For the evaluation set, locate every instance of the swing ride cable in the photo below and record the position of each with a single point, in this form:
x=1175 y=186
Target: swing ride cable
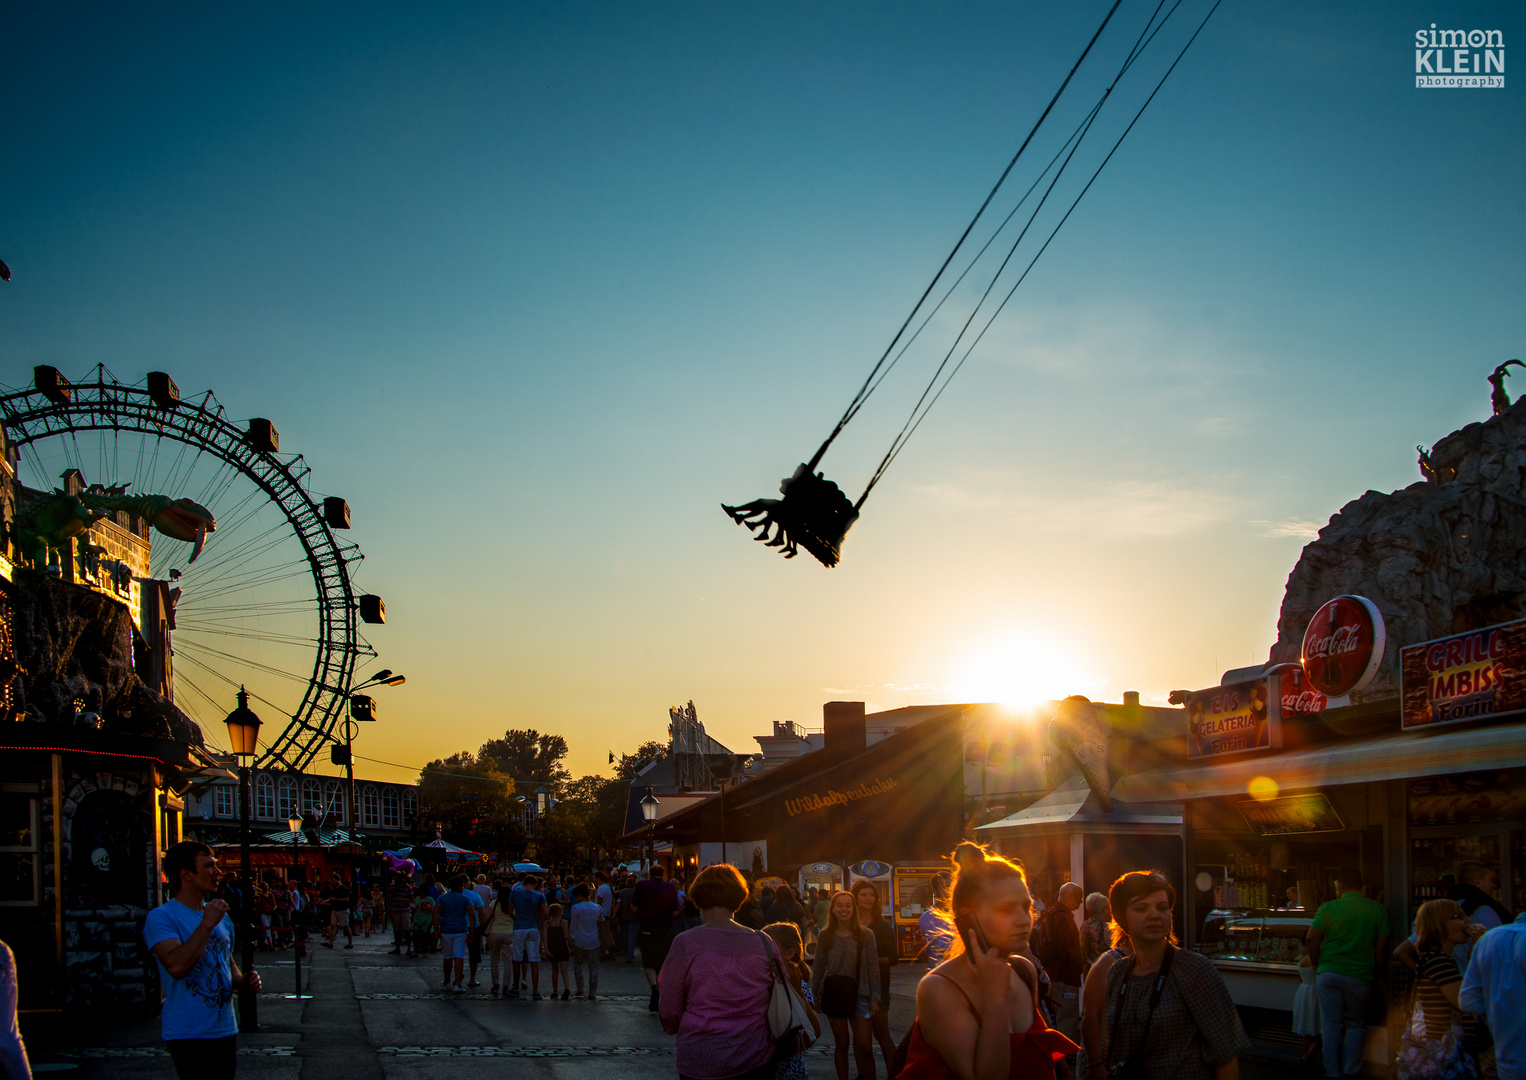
x=907 y=434
x=1080 y=128
x=865 y=390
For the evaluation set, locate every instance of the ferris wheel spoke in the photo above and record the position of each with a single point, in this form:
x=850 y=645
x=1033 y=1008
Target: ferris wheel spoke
x=258 y=579
x=274 y=637
x=253 y=665
x=223 y=678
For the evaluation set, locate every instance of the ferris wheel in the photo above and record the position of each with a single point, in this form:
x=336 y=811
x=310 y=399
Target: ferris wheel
x=269 y=601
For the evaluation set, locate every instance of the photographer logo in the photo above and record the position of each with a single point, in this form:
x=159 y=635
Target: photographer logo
x=1459 y=59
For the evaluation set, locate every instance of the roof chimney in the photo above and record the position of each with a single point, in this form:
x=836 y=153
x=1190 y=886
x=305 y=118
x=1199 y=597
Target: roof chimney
x=843 y=730
x=1131 y=699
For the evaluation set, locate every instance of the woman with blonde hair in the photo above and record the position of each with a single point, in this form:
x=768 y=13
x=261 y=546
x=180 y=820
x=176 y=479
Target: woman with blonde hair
x=977 y=1012
x=845 y=984
x=1434 y=1043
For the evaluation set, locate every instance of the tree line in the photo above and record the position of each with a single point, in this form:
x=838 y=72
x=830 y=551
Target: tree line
x=485 y=800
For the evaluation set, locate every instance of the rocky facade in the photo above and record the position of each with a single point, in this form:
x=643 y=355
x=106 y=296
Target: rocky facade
x=1444 y=555
x=75 y=644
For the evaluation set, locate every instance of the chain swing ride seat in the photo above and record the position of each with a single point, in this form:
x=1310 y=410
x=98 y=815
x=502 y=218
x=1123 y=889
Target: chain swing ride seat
x=813 y=512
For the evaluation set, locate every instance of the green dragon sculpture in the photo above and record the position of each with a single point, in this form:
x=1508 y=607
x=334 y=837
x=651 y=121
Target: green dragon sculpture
x=50 y=522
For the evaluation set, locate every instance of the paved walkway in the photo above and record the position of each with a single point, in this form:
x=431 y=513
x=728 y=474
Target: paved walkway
x=375 y=1016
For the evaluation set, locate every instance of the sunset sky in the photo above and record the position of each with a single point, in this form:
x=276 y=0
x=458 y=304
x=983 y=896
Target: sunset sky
x=538 y=287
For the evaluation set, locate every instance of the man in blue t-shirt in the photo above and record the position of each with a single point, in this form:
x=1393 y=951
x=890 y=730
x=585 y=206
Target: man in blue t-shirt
x=530 y=912
x=455 y=917
x=191 y=938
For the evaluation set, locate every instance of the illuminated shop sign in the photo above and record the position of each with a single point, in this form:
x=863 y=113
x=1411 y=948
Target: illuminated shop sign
x=1291 y=814
x=1343 y=646
x=1465 y=676
x=1234 y=718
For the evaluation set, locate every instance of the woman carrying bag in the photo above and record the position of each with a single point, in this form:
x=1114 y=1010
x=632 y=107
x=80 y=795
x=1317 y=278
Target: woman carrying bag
x=717 y=986
x=1434 y=1043
x=790 y=1064
x=845 y=984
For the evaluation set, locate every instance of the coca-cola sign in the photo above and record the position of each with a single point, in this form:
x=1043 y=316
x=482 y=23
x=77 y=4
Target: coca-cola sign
x=1298 y=695
x=1343 y=646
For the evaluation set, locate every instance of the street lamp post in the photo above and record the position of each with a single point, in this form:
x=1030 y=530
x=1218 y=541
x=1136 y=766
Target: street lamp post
x=294 y=823
x=243 y=740
x=362 y=707
x=649 y=812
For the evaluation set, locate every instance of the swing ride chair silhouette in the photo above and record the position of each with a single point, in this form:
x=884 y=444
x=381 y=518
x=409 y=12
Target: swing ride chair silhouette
x=814 y=514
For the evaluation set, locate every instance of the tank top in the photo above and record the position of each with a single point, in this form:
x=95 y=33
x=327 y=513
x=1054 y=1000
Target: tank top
x=1034 y=1052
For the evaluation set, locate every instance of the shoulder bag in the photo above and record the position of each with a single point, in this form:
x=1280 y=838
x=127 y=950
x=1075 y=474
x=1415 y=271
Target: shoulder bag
x=789 y=1017
x=839 y=993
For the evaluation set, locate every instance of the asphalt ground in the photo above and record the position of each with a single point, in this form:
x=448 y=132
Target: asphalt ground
x=373 y=1015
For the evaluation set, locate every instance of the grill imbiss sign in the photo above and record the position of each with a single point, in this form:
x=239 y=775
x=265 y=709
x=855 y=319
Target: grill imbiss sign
x=1465 y=676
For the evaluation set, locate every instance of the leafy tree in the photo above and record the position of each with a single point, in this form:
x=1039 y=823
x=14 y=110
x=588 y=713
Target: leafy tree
x=651 y=750
x=473 y=804
x=526 y=754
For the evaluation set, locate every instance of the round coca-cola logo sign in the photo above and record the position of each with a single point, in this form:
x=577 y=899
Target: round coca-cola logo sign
x=1343 y=646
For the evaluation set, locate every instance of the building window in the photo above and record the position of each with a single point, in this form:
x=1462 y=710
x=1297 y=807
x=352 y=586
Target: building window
x=389 y=808
x=369 y=809
x=312 y=797
x=265 y=797
x=18 y=849
x=286 y=797
x=333 y=801
x=225 y=800
x=410 y=808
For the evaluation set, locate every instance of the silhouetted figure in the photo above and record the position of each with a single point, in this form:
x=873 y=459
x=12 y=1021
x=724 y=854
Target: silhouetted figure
x=1498 y=396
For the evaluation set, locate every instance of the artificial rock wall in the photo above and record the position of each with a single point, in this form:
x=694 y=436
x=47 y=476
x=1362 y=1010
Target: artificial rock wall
x=1443 y=555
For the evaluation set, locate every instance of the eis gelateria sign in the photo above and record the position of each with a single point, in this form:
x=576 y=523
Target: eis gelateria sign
x=1465 y=676
x=808 y=804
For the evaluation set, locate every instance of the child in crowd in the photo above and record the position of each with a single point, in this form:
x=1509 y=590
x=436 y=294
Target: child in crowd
x=423 y=926
x=558 y=951
x=1306 y=1009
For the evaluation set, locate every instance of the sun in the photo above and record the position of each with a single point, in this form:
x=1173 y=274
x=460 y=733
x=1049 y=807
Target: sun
x=1020 y=671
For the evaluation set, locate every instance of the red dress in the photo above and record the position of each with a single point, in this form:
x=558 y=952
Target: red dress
x=1034 y=1052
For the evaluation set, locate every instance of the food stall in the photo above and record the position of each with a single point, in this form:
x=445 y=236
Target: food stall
x=914 y=890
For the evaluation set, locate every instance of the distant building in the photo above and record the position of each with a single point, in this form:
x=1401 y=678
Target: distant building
x=384 y=809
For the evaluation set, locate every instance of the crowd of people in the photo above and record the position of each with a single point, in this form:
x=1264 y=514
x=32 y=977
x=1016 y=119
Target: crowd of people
x=1088 y=986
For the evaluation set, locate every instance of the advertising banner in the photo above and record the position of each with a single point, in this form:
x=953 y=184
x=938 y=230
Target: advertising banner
x=1234 y=718
x=1465 y=676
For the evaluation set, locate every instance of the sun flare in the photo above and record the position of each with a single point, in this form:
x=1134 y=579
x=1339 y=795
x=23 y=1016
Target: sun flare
x=1020 y=672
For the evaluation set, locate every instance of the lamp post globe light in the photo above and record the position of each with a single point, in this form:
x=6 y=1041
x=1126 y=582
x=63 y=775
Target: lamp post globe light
x=243 y=740
x=294 y=823
x=649 y=804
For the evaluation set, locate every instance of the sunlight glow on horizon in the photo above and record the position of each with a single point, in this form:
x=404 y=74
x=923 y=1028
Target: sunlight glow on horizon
x=1021 y=672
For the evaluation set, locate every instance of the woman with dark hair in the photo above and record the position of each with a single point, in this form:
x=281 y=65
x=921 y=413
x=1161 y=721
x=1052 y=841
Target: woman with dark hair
x=977 y=1011
x=715 y=985
x=786 y=908
x=845 y=984
x=1158 y=1004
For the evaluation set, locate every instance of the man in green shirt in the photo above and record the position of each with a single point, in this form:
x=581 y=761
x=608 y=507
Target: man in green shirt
x=1347 y=943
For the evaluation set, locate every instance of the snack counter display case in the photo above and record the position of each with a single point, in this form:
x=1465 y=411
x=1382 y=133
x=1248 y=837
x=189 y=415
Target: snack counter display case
x=1255 y=936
